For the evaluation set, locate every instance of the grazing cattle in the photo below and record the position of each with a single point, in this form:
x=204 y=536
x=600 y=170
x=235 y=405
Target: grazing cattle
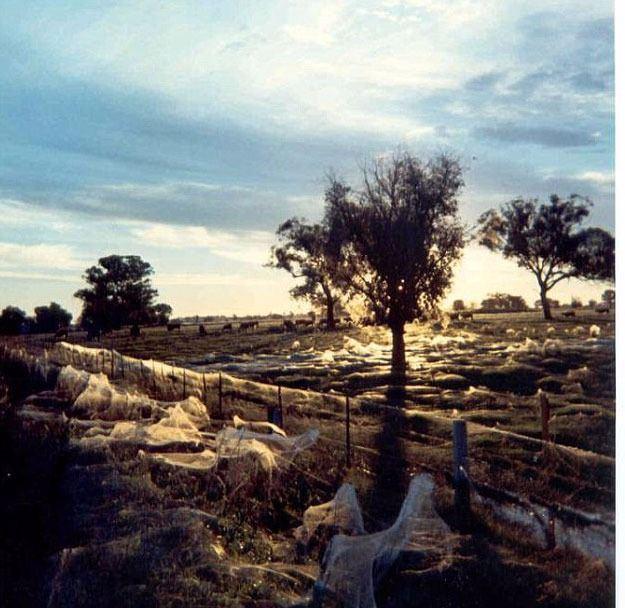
x=304 y=323
x=467 y=314
x=201 y=330
x=174 y=325
x=602 y=308
x=94 y=333
x=62 y=333
x=245 y=325
x=227 y=328
x=288 y=325
x=454 y=316
x=568 y=313
x=135 y=331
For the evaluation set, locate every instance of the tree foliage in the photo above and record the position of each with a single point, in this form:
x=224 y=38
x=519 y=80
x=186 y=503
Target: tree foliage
x=547 y=239
x=459 y=305
x=13 y=321
x=504 y=302
x=396 y=239
x=303 y=251
x=51 y=318
x=119 y=292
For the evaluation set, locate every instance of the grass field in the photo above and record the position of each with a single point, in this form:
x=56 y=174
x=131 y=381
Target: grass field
x=487 y=371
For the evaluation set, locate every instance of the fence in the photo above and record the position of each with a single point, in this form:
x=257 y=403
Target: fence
x=169 y=382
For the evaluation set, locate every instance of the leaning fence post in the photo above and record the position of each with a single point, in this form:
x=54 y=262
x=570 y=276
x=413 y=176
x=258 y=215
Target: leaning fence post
x=348 y=441
x=280 y=418
x=184 y=383
x=112 y=364
x=544 y=415
x=204 y=386
x=220 y=401
x=122 y=364
x=462 y=497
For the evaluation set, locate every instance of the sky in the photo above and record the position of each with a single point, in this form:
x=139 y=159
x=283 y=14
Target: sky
x=185 y=132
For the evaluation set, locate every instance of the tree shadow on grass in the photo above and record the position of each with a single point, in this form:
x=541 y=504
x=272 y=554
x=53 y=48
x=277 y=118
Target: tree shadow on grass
x=389 y=468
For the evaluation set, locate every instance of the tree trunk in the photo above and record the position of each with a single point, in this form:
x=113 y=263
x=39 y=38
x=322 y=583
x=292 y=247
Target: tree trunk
x=398 y=362
x=330 y=324
x=544 y=300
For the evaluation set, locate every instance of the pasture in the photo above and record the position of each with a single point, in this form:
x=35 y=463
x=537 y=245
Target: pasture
x=487 y=371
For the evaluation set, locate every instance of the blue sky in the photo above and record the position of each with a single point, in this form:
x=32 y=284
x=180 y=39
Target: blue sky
x=185 y=132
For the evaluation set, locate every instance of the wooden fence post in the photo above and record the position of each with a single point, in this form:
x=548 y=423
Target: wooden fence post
x=220 y=402
x=153 y=375
x=204 y=386
x=348 y=441
x=122 y=364
x=280 y=418
x=462 y=496
x=112 y=364
x=184 y=383
x=545 y=414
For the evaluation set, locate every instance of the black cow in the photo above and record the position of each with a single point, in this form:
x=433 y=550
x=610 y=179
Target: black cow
x=174 y=325
x=245 y=325
x=288 y=325
x=304 y=323
x=568 y=313
x=62 y=333
x=201 y=330
x=227 y=328
x=135 y=331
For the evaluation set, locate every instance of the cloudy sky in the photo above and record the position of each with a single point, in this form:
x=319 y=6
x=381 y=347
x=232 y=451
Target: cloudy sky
x=185 y=131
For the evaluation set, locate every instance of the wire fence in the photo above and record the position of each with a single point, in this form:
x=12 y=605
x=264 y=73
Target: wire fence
x=351 y=425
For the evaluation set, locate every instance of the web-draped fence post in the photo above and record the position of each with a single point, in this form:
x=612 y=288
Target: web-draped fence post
x=462 y=496
x=545 y=414
x=220 y=401
x=204 y=386
x=184 y=383
x=348 y=440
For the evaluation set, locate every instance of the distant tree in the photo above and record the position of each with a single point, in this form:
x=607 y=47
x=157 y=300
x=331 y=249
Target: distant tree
x=547 y=240
x=50 y=318
x=459 y=305
x=609 y=297
x=592 y=303
x=576 y=303
x=303 y=251
x=504 y=302
x=119 y=292
x=552 y=303
x=161 y=313
x=13 y=321
x=397 y=239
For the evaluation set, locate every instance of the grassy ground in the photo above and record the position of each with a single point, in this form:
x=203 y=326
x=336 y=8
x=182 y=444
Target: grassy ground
x=136 y=528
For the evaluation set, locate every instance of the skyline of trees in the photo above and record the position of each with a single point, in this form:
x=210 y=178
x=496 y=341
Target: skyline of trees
x=548 y=240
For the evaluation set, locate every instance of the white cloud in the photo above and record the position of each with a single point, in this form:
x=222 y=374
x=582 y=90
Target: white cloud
x=601 y=178
x=55 y=257
x=247 y=246
x=16 y=213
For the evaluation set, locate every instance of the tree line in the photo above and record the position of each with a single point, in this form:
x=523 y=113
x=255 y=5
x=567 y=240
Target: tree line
x=391 y=243
x=388 y=245
x=119 y=292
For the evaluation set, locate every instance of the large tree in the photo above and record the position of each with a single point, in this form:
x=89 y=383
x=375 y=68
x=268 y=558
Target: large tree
x=52 y=317
x=396 y=239
x=13 y=321
x=303 y=252
x=547 y=239
x=119 y=292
